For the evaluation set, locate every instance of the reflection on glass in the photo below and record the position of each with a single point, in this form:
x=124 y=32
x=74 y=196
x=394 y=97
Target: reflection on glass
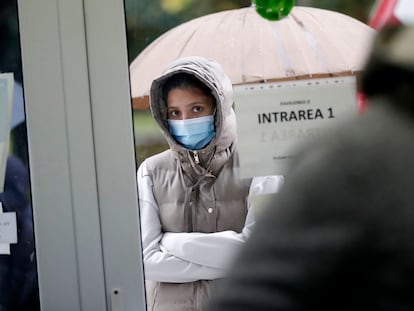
x=18 y=272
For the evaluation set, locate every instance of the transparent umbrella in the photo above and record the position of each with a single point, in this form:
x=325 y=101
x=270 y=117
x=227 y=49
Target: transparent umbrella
x=308 y=43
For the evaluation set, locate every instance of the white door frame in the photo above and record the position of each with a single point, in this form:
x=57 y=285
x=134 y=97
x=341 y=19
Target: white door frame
x=81 y=151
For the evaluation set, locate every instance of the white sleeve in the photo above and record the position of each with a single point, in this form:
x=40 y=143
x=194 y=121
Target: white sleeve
x=218 y=249
x=160 y=264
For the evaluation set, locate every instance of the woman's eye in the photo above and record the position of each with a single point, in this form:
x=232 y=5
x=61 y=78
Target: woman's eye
x=174 y=113
x=197 y=109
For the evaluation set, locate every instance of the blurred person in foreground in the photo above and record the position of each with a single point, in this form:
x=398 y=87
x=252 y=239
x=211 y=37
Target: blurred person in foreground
x=341 y=236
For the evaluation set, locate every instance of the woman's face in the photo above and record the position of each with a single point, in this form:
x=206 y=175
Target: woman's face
x=188 y=103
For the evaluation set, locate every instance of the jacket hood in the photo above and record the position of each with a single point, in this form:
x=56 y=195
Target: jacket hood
x=213 y=76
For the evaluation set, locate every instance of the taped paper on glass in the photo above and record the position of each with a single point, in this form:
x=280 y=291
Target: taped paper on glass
x=273 y=119
x=8 y=230
x=6 y=106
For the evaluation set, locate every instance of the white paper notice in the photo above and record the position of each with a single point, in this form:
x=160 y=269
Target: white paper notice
x=274 y=118
x=8 y=230
x=6 y=106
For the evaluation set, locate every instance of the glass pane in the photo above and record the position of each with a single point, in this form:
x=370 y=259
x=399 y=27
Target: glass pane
x=146 y=22
x=18 y=272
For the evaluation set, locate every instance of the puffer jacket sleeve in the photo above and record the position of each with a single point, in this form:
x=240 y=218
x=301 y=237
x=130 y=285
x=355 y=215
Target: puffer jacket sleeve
x=198 y=247
x=160 y=264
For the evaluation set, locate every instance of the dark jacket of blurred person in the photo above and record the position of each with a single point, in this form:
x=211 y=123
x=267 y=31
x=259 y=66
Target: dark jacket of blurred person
x=340 y=234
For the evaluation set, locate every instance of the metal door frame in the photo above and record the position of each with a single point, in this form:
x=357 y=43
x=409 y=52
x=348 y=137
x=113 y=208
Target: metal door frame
x=81 y=151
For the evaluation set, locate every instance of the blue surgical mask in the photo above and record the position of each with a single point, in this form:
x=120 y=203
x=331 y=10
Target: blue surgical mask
x=193 y=133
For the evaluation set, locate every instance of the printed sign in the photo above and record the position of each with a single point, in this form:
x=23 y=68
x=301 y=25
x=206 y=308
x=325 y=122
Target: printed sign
x=6 y=106
x=273 y=119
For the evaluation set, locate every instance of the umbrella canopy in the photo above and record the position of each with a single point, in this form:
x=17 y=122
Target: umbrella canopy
x=309 y=43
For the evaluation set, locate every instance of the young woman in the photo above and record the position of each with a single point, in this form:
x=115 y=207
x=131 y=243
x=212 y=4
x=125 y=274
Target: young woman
x=195 y=209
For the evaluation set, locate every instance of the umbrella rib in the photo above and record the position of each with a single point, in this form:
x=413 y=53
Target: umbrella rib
x=189 y=39
x=224 y=17
x=298 y=42
x=195 y=30
x=313 y=43
x=243 y=51
x=286 y=63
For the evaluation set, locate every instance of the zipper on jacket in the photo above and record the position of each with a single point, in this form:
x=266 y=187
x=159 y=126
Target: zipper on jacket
x=196 y=158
